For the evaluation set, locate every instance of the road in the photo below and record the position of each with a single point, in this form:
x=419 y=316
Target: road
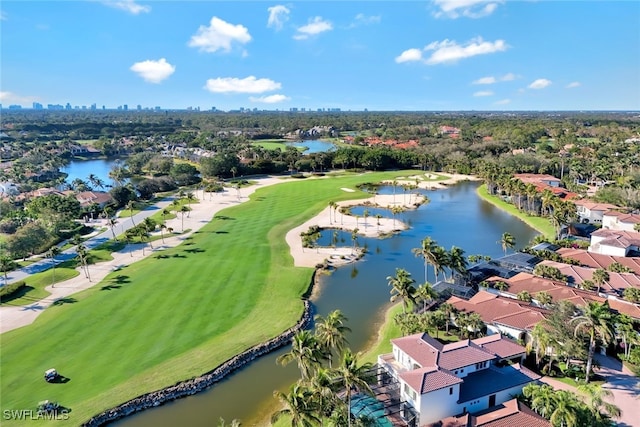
x=123 y=224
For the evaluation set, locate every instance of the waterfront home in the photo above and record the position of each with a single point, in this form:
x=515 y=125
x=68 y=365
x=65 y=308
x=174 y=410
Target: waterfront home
x=614 y=242
x=511 y=413
x=576 y=275
x=592 y=212
x=442 y=380
x=614 y=220
x=501 y=315
x=590 y=259
x=87 y=198
x=539 y=179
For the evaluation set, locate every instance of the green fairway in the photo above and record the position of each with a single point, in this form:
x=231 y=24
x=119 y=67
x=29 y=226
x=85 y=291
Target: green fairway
x=176 y=314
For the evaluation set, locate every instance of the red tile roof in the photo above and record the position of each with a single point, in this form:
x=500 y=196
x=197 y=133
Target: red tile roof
x=595 y=206
x=617 y=238
x=590 y=259
x=502 y=347
x=508 y=414
x=616 y=284
x=624 y=217
x=429 y=379
x=495 y=309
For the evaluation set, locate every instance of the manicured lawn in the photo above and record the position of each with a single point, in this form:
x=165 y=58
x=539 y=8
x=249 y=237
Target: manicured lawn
x=275 y=145
x=34 y=291
x=176 y=314
x=543 y=225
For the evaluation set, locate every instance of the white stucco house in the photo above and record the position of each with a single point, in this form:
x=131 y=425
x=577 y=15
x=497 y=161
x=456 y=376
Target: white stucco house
x=614 y=242
x=592 y=212
x=614 y=220
x=442 y=380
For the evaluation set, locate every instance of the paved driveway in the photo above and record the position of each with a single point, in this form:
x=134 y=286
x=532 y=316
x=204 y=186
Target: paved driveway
x=625 y=388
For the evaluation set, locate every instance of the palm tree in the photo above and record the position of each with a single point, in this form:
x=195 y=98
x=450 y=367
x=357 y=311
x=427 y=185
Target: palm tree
x=448 y=310
x=111 y=222
x=131 y=206
x=184 y=210
x=457 y=261
x=354 y=239
x=305 y=351
x=541 y=397
x=600 y=277
x=162 y=228
x=524 y=296
x=6 y=264
x=395 y=184
x=321 y=385
x=190 y=198
x=82 y=252
x=395 y=210
x=540 y=342
x=365 y=214
x=53 y=251
x=378 y=217
x=332 y=206
x=440 y=260
x=402 y=286
x=352 y=376
x=600 y=409
x=142 y=234
x=298 y=406
x=544 y=298
x=330 y=333
x=425 y=292
x=426 y=251
x=596 y=321
x=566 y=409
x=507 y=241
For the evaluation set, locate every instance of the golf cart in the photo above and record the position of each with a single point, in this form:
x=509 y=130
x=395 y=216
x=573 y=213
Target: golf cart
x=50 y=375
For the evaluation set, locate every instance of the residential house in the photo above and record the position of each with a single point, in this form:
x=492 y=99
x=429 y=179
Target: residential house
x=592 y=212
x=614 y=242
x=511 y=413
x=441 y=380
x=616 y=284
x=614 y=220
x=87 y=198
x=594 y=260
x=538 y=179
x=501 y=315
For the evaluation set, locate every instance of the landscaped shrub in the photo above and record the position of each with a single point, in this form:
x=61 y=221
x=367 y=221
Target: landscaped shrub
x=7 y=290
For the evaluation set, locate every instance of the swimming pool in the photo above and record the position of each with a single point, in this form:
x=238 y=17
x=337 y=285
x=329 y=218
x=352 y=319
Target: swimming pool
x=361 y=404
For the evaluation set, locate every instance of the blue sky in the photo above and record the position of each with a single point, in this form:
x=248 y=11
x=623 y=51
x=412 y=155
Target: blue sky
x=378 y=55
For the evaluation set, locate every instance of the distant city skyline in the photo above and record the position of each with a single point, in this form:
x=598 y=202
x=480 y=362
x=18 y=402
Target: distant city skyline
x=437 y=55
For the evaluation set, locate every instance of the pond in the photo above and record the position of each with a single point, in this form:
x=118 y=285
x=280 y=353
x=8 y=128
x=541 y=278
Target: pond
x=81 y=169
x=314 y=146
x=454 y=216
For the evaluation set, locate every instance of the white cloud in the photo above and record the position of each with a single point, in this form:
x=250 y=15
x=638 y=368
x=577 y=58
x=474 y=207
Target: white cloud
x=13 y=98
x=219 y=35
x=469 y=8
x=489 y=80
x=128 y=6
x=270 y=99
x=483 y=93
x=573 y=84
x=448 y=51
x=409 y=55
x=539 y=84
x=503 y=102
x=153 y=71
x=485 y=81
x=315 y=26
x=247 y=85
x=278 y=15
x=362 y=19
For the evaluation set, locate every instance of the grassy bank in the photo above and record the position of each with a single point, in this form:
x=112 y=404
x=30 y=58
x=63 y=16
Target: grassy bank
x=543 y=225
x=176 y=314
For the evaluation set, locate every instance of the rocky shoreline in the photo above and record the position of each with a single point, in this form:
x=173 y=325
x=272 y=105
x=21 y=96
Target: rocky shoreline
x=198 y=384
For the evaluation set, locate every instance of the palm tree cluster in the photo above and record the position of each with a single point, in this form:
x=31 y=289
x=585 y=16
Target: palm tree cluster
x=453 y=261
x=566 y=409
x=322 y=395
x=571 y=332
x=526 y=197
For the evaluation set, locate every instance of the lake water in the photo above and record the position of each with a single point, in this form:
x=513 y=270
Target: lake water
x=455 y=216
x=314 y=146
x=81 y=169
